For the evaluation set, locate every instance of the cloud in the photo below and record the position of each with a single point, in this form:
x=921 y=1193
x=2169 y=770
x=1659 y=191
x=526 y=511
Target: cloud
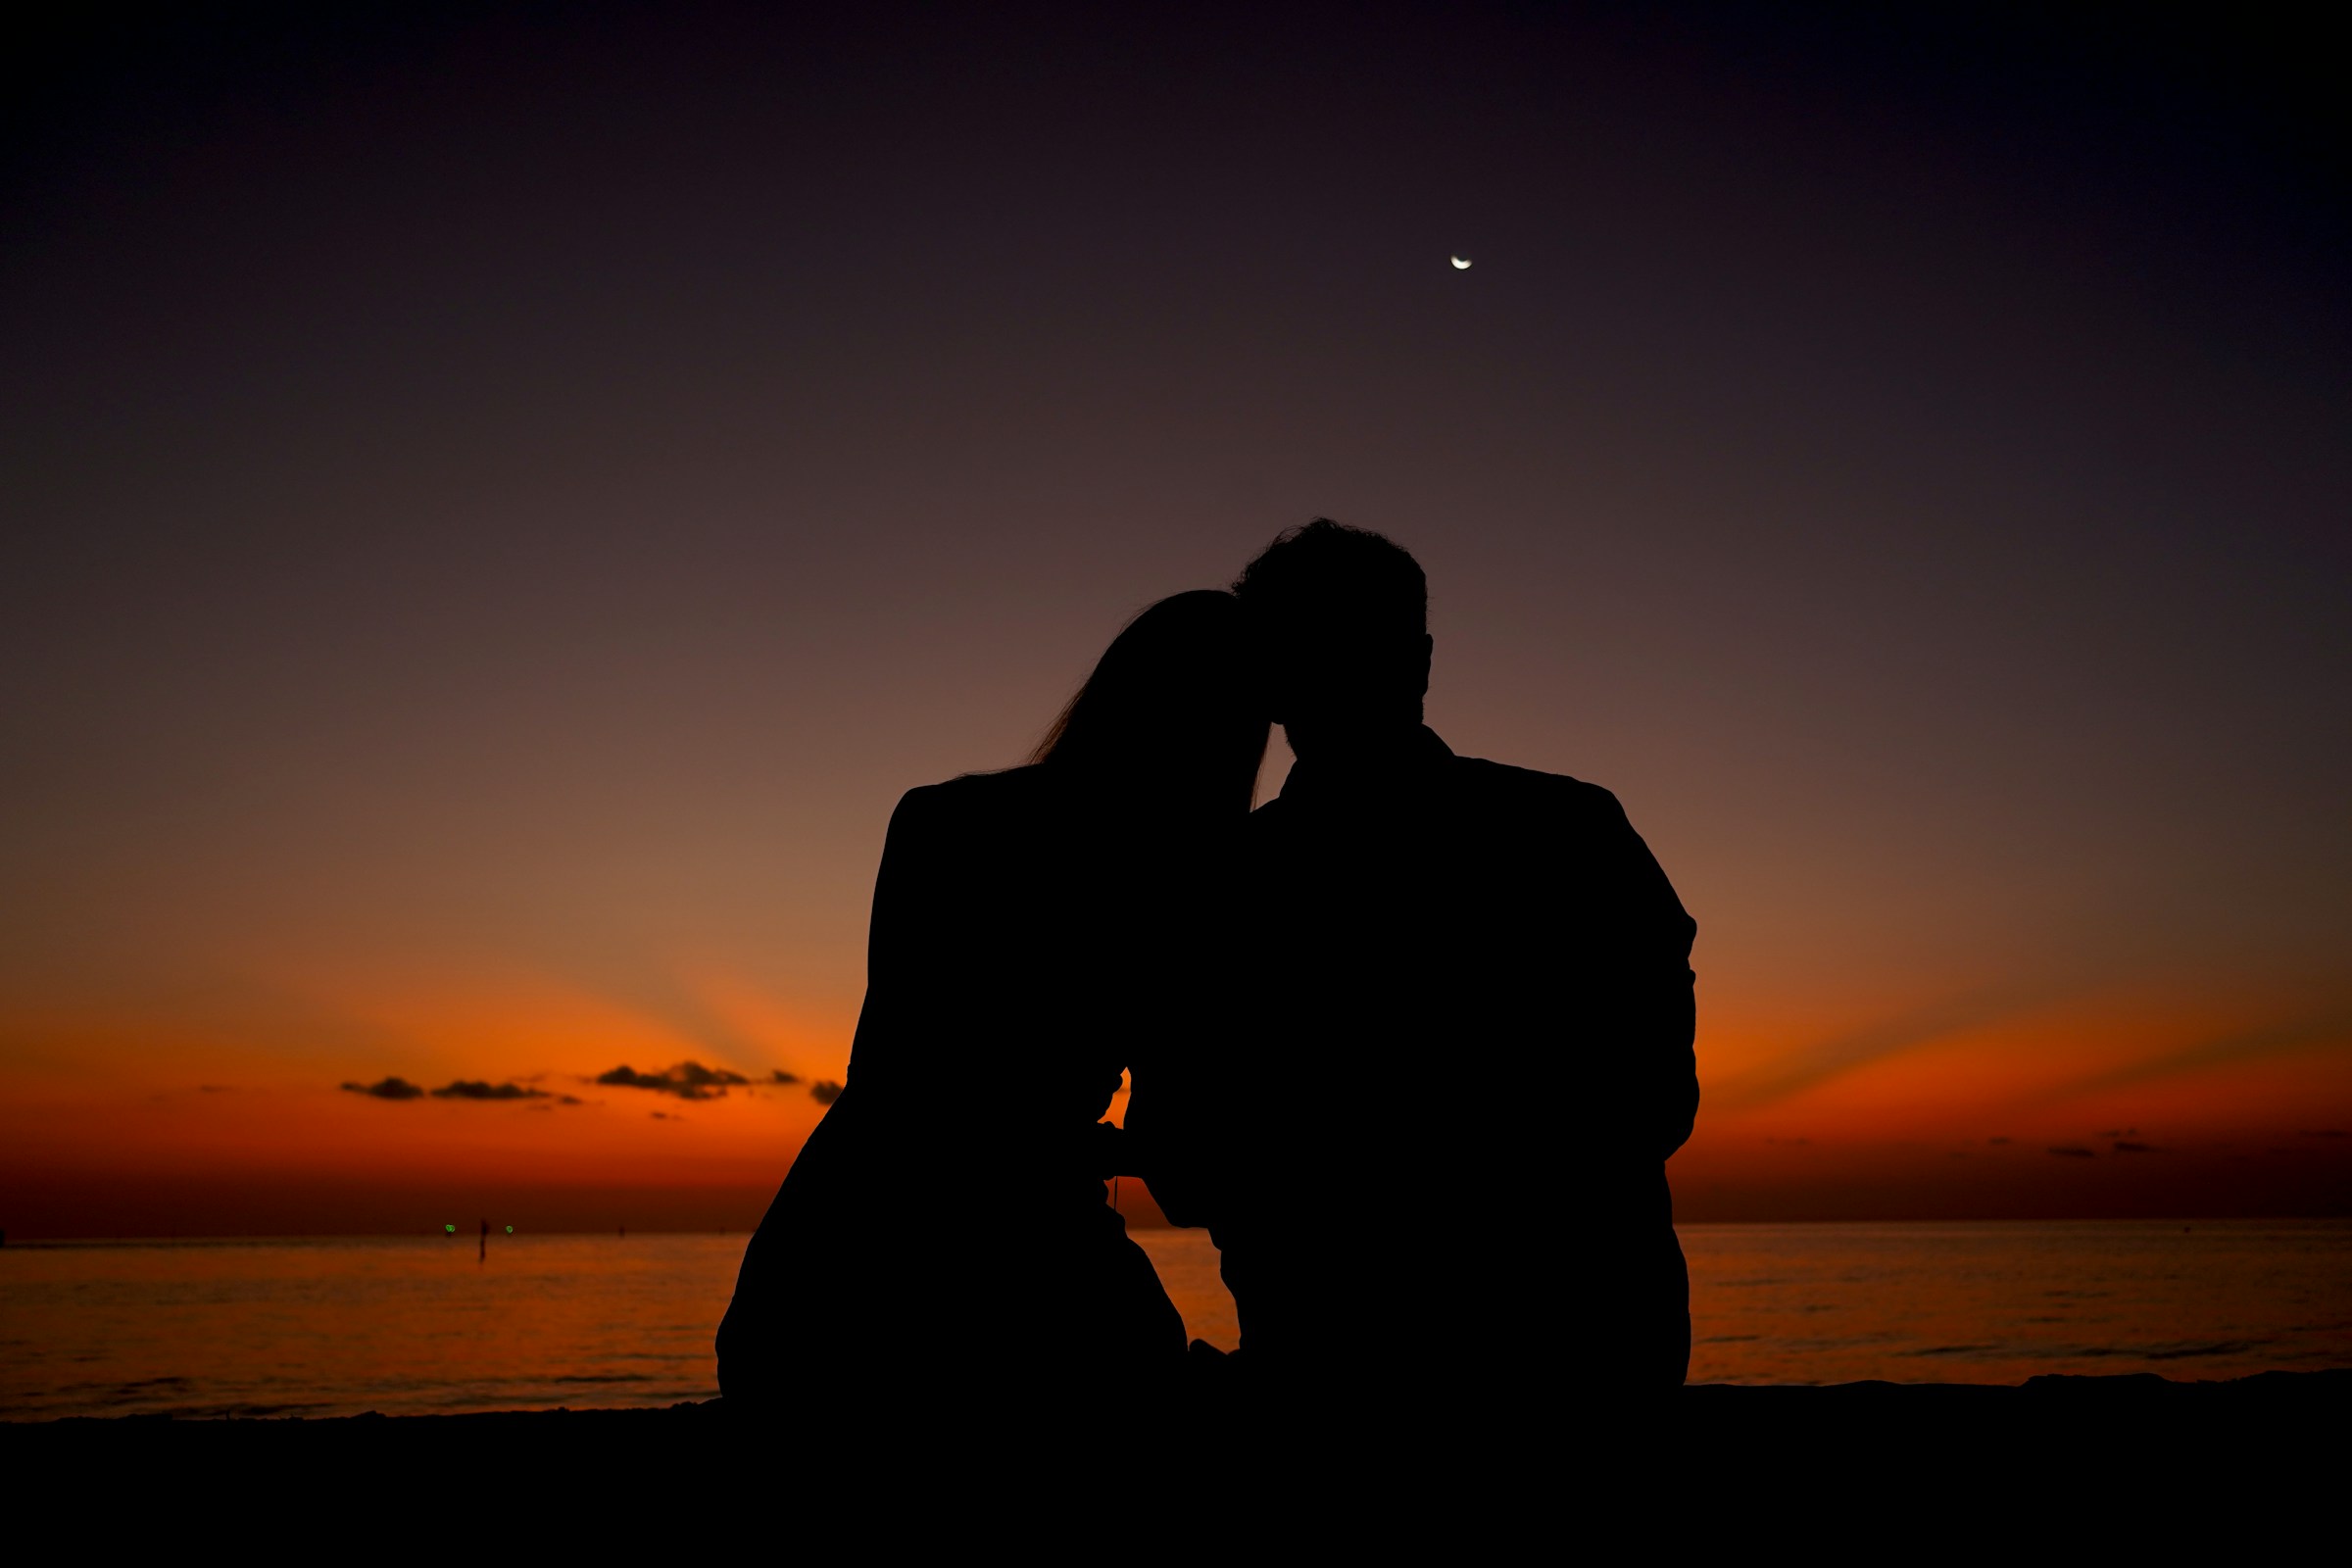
x=570 y=1099
x=477 y=1089
x=388 y=1089
x=2073 y=1152
x=2221 y=1051
x=1997 y=1140
x=783 y=1077
x=215 y=1089
x=1811 y=1065
x=688 y=1080
x=2126 y=1147
x=397 y=1087
x=824 y=1092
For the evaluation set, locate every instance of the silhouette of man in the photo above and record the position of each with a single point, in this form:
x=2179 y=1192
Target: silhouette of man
x=1470 y=1012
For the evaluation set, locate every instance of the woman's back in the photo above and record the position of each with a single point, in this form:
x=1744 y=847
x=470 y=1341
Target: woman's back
x=945 y=1224
x=949 y=1208
x=1002 y=942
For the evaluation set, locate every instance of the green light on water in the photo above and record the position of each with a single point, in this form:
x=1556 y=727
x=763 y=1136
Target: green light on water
x=452 y=1229
x=509 y=1230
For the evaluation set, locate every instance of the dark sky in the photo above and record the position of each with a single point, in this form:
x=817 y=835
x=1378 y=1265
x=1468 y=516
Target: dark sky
x=520 y=491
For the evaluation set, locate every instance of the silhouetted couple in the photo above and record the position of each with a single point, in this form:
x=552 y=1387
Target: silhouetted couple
x=1413 y=1041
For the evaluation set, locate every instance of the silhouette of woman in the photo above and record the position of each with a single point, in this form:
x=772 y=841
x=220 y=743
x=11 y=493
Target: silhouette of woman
x=944 y=1234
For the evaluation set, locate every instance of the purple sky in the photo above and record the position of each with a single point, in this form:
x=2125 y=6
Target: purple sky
x=524 y=490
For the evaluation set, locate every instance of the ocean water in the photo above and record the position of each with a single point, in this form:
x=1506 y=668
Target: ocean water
x=2003 y=1303
x=414 y=1325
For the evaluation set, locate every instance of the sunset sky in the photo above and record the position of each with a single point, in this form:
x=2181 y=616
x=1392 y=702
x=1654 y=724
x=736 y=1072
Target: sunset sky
x=501 y=499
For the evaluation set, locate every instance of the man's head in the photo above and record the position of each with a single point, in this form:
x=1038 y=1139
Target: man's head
x=1340 y=620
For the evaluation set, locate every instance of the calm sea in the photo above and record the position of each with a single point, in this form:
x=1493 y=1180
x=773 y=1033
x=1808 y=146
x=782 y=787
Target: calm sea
x=332 y=1327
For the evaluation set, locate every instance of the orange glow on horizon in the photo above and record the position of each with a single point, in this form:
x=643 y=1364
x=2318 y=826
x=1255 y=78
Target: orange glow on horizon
x=2154 y=1103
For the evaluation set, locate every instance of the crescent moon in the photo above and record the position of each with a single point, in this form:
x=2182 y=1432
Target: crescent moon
x=1460 y=265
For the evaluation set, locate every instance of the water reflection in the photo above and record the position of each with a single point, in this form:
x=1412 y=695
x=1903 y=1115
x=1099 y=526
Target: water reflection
x=324 y=1327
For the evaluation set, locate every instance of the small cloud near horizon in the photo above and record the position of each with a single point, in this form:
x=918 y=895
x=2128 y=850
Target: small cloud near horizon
x=688 y=1080
x=399 y=1088
x=783 y=1077
x=477 y=1089
x=2127 y=1146
x=824 y=1090
x=2073 y=1152
x=388 y=1089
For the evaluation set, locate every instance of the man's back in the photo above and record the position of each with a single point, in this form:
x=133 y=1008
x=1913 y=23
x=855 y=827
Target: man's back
x=1474 y=1010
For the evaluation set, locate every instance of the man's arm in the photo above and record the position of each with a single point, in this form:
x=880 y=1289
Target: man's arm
x=1661 y=1001
x=1638 y=938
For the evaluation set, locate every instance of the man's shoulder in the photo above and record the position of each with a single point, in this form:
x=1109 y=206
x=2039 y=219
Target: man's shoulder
x=1505 y=786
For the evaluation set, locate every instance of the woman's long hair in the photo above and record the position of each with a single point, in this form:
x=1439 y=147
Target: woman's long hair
x=1170 y=707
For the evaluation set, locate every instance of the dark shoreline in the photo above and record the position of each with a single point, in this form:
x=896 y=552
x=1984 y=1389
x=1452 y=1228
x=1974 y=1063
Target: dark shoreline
x=1702 y=1403
x=2135 y=1390
x=1736 y=1463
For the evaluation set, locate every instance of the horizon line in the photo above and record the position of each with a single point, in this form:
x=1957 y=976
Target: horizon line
x=617 y=1233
